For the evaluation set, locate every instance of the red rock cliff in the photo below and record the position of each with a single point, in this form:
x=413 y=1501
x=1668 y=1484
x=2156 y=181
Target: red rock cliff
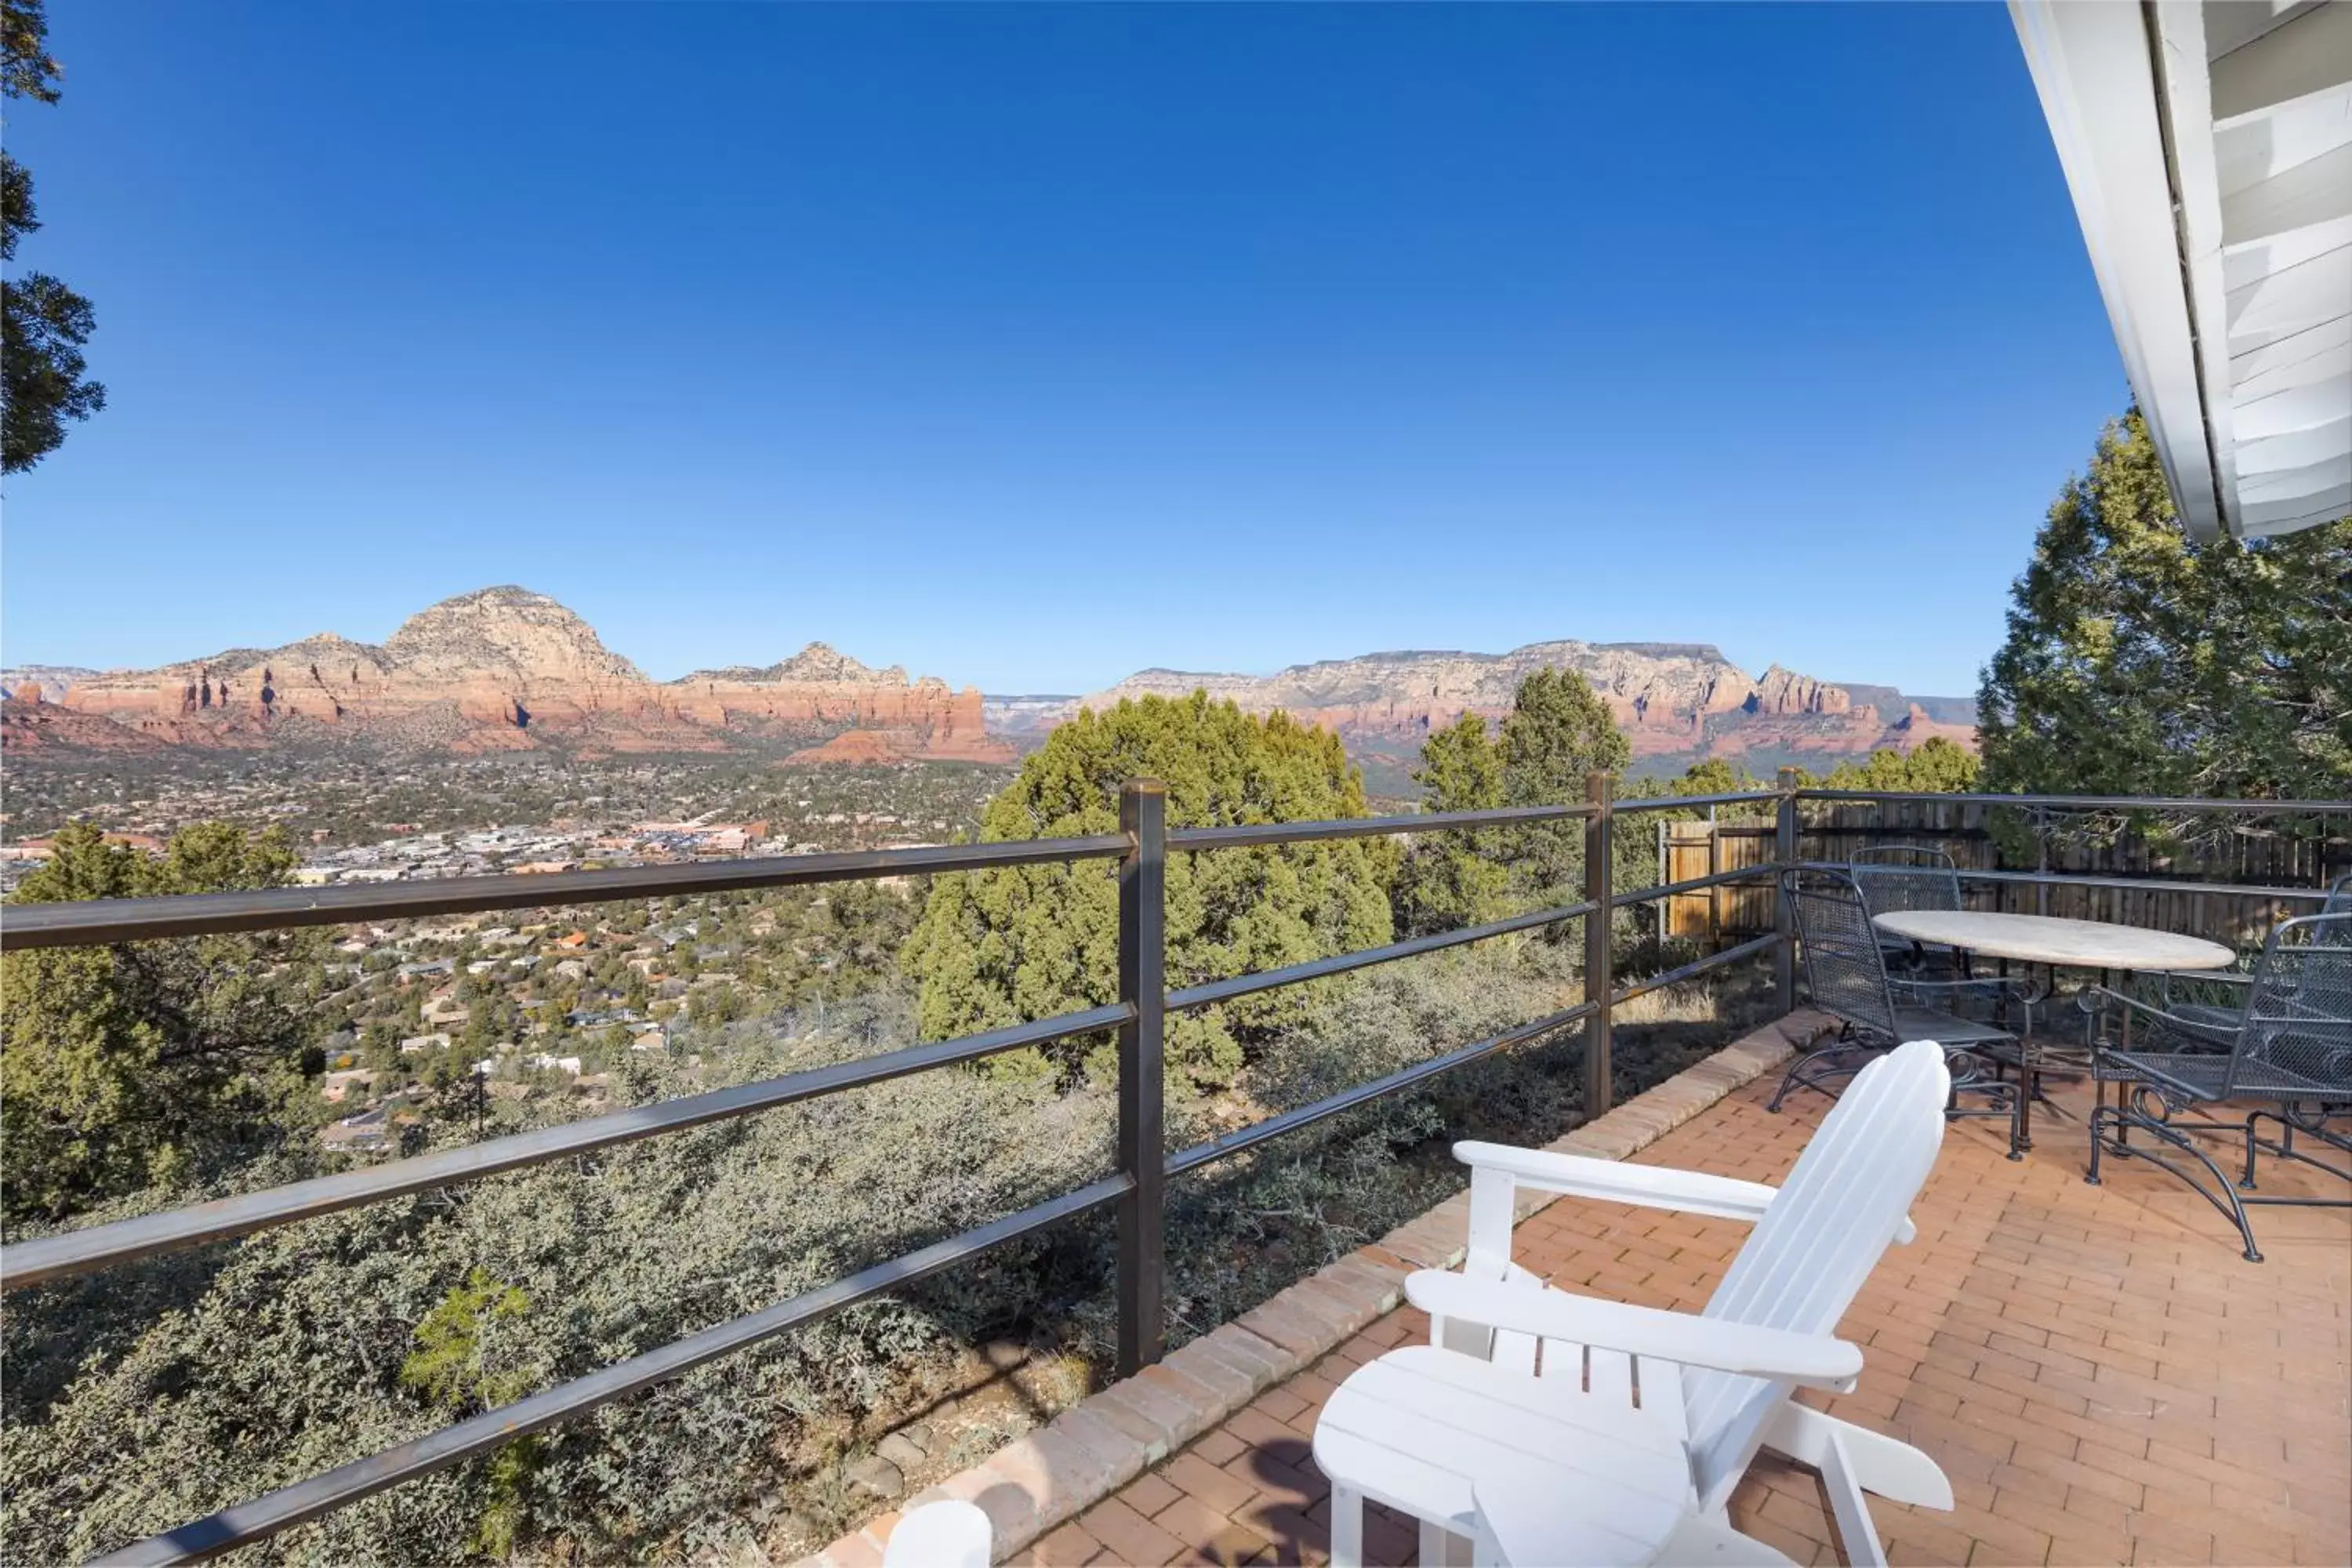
x=503 y=667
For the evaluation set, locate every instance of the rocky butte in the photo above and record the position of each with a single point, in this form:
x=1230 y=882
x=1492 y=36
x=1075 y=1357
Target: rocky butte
x=505 y=668
x=1672 y=699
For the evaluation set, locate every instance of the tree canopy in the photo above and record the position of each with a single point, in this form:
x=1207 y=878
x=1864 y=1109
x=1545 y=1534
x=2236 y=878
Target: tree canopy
x=43 y=324
x=2141 y=662
x=1456 y=878
x=126 y=1067
x=995 y=948
x=1935 y=766
x=1558 y=731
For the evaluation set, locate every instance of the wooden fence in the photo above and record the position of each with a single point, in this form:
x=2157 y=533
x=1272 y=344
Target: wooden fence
x=2303 y=852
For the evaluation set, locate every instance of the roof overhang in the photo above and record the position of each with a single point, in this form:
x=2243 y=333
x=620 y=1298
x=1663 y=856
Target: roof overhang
x=2208 y=144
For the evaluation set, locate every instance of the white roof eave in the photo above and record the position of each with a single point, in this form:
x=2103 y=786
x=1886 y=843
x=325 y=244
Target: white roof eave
x=2208 y=147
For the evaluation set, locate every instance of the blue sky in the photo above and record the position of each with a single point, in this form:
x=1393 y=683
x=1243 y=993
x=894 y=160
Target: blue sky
x=1031 y=346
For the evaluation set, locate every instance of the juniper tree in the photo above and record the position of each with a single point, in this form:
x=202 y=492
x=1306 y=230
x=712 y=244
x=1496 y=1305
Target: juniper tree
x=1001 y=947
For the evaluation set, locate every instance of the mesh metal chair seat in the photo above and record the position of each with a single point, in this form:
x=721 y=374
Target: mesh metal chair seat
x=1845 y=974
x=2288 y=1043
x=1948 y=1029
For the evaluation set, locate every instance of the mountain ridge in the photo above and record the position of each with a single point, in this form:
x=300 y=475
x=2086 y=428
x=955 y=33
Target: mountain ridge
x=506 y=669
x=1673 y=700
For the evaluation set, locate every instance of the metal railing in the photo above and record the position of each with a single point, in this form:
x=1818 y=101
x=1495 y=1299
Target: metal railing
x=1136 y=1190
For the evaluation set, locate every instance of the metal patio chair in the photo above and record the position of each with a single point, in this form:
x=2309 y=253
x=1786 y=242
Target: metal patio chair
x=2287 y=1043
x=2209 y=1001
x=1846 y=972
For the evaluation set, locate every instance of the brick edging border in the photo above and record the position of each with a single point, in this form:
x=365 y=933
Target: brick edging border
x=1039 y=1481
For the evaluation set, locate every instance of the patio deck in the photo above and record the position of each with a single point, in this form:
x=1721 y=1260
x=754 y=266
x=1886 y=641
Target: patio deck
x=2100 y=1373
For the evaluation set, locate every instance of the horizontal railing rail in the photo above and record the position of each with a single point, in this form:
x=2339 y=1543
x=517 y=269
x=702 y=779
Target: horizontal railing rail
x=95 y=921
x=1694 y=884
x=2146 y=884
x=1216 y=991
x=80 y=1251
x=1273 y=1127
x=2091 y=802
x=347 y=1483
x=1763 y=799
x=1269 y=833
x=1696 y=968
x=1136 y=1189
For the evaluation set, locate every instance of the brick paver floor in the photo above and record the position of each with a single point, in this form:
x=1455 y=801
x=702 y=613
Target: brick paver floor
x=2103 y=1376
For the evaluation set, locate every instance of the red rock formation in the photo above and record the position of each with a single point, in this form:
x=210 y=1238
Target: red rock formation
x=1670 y=699
x=1916 y=729
x=508 y=669
x=1780 y=691
x=876 y=746
x=28 y=724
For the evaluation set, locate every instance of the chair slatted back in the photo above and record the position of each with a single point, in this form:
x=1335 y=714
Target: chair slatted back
x=1836 y=1215
x=2298 y=1015
x=1905 y=877
x=1845 y=971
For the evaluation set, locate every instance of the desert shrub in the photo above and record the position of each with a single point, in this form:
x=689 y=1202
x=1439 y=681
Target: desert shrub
x=248 y=1365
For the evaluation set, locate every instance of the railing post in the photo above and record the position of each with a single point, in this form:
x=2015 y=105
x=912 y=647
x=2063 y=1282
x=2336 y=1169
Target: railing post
x=1714 y=894
x=2042 y=859
x=1142 y=1142
x=1784 y=855
x=1598 y=980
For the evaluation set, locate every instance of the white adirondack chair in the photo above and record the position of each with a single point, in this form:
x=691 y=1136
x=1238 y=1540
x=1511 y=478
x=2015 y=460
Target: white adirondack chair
x=1552 y=1428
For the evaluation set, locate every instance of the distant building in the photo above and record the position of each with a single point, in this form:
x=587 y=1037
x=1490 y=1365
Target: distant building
x=367 y=1131
x=337 y=1086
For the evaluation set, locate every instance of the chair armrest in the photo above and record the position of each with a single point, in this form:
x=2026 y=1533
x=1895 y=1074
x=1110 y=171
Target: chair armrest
x=2095 y=1000
x=1617 y=1181
x=2166 y=978
x=1614 y=1181
x=1816 y=1361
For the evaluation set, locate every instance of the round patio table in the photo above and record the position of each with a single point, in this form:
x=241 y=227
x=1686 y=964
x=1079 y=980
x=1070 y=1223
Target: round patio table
x=2046 y=938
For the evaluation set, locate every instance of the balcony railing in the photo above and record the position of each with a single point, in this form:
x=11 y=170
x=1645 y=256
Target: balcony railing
x=1135 y=1190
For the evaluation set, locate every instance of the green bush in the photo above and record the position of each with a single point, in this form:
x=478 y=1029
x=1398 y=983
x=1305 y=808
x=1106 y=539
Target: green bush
x=1001 y=947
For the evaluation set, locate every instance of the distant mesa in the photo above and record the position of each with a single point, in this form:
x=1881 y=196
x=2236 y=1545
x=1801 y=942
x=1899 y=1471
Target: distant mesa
x=1672 y=699
x=27 y=724
x=506 y=668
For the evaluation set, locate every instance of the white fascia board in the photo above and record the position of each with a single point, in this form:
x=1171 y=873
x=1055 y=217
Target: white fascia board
x=2092 y=69
x=2197 y=190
